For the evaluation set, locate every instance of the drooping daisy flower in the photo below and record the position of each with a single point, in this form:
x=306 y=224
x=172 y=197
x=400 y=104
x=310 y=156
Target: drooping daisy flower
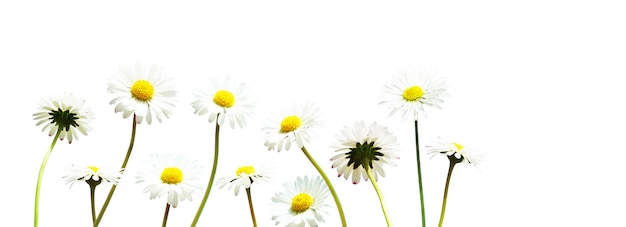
x=224 y=99
x=301 y=203
x=244 y=177
x=92 y=175
x=412 y=89
x=142 y=91
x=292 y=125
x=176 y=177
x=64 y=112
x=456 y=151
x=364 y=146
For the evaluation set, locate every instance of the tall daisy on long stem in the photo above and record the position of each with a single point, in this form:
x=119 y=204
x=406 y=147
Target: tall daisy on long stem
x=363 y=149
x=221 y=100
x=93 y=176
x=456 y=153
x=63 y=115
x=141 y=92
x=413 y=89
x=294 y=126
x=245 y=176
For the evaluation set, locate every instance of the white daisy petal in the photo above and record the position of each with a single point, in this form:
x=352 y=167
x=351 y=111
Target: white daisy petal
x=224 y=100
x=456 y=150
x=68 y=113
x=292 y=126
x=92 y=175
x=245 y=176
x=301 y=203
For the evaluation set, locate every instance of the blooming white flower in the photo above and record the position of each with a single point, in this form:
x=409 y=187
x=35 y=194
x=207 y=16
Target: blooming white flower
x=456 y=150
x=301 y=203
x=412 y=89
x=364 y=146
x=66 y=112
x=292 y=125
x=92 y=174
x=224 y=99
x=244 y=176
x=176 y=177
x=142 y=91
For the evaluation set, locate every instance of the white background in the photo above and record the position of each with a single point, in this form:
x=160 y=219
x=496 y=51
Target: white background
x=535 y=85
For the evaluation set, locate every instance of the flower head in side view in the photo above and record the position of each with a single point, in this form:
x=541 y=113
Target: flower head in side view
x=292 y=125
x=92 y=175
x=66 y=113
x=301 y=203
x=454 y=151
x=175 y=177
x=224 y=99
x=142 y=91
x=244 y=177
x=364 y=146
x=412 y=89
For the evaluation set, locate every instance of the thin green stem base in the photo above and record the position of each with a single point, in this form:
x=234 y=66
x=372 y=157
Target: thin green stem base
x=251 y=207
x=419 y=175
x=40 y=176
x=210 y=184
x=445 y=192
x=379 y=193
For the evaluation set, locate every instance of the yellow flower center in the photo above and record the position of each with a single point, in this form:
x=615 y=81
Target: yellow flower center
x=245 y=169
x=290 y=123
x=224 y=98
x=93 y=168
x=142 y=90
x=301 y=202
x=172 y=175
x=413 y=93
x=459 y=147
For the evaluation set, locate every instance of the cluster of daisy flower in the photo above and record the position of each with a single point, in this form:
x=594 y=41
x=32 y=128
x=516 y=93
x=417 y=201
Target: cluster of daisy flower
x=361 y=150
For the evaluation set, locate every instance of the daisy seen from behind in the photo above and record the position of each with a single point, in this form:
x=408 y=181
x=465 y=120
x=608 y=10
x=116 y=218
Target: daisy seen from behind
x=244 y=177
x=224 y=99
x=93 y=176
x=363 y=150
x=456 y=153
x=301 y=203
x=142 y=91
x=177 y=178
x=63 y=115
x=292 y=125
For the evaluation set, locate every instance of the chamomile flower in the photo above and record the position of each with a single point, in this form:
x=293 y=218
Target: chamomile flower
x=92 y=175
x=453 y=150
x=224 y=99
x=175 y=177
x=364 y=146
x=292 y=125
x=244 y=177
x=64 y=112
x=301 y=203
x=142 y=91
x=412 y=89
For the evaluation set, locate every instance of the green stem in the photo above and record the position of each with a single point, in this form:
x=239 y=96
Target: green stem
x=92 y=193
x=43 y=166
x=251 y=207
x=167 y=212
x=445 y=193
x=330 y=186
x=130 y=149
x=208 y=188
x=379 y=193
x=419 y=175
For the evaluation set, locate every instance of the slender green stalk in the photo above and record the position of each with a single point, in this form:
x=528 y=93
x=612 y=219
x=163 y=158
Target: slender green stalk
x=330 y=186
x=92 y=194
x=251 y=208
x=130 y=149
x=167 y=212
x=379 y=193
x=445 y=192
x=43 y=166
x=208 y=187
x=419 y=175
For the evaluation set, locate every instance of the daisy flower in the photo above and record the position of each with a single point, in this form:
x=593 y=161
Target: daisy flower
x=92 y=175
x=142 y=91
x=292 y=125
x=224 y=99
x=66 y=113
x=412 y=89
x=301 y=203
x=364 y=146
x=244 y=177
x=176 y=177
x=455 y=151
